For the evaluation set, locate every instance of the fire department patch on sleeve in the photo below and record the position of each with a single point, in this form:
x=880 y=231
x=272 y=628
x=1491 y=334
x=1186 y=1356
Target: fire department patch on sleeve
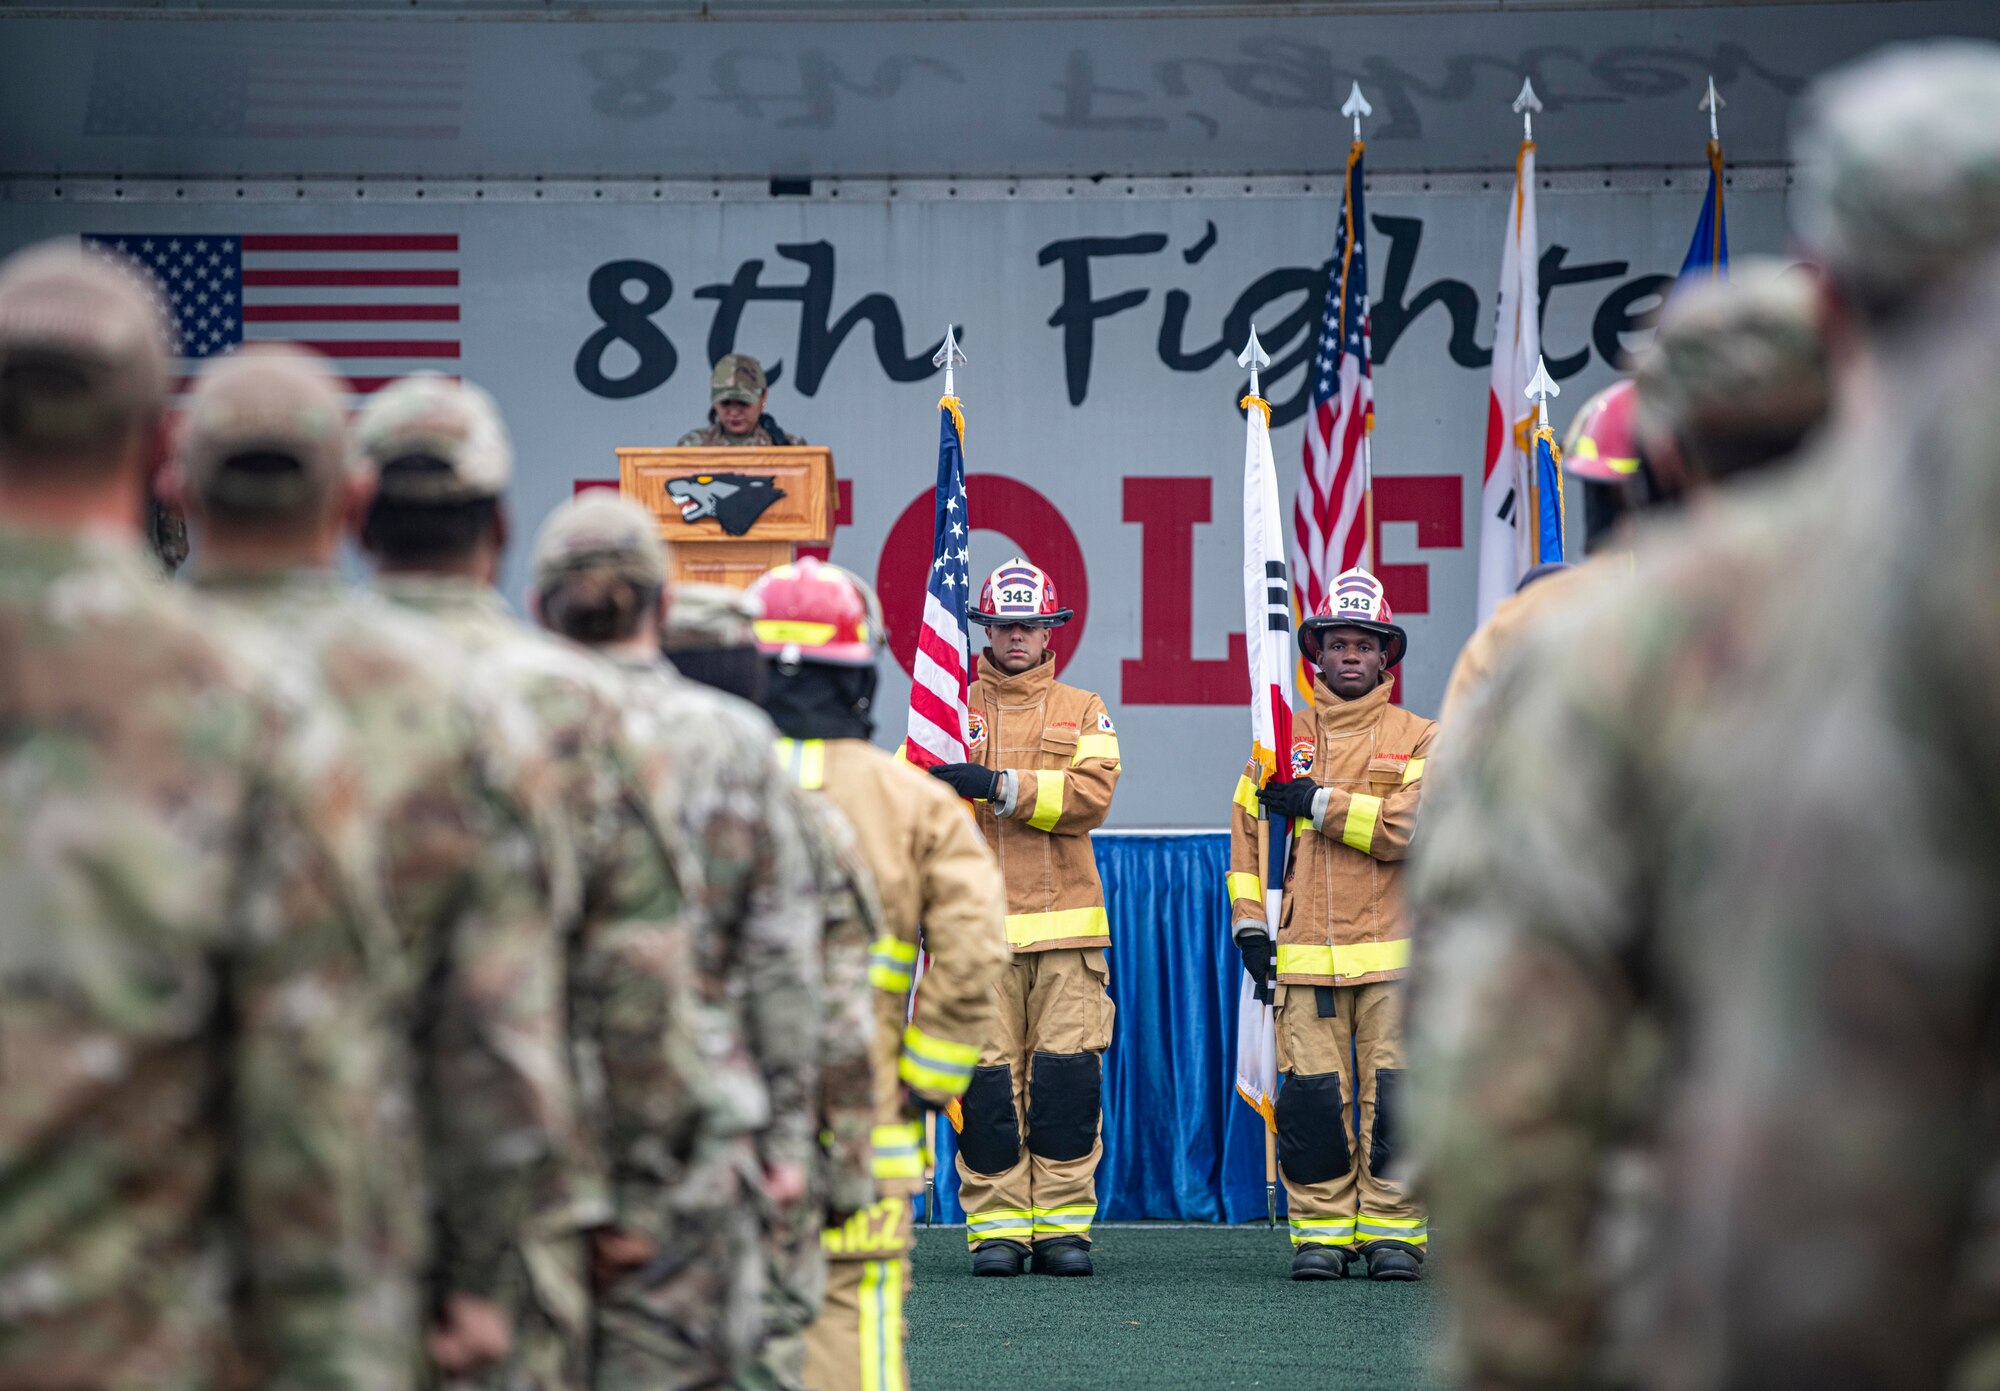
x=1104 y=723
x=1302 y=758
x=975 y=728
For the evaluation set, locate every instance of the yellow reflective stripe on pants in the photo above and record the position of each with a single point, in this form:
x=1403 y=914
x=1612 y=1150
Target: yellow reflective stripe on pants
x=936 y=1064
x=805 y=761
x=999 y=1224
x=1243 y=885
x=899 y=1150
x=1413 y=1230
x=1322 y=1231
x=882 y=1326
x=1048 y=800
x=1361 y=959
x=1026 y=929
x=1246 y=795
x=1073 y=1220
x=1363 y=812
x=892 y=964
x=1095 y=746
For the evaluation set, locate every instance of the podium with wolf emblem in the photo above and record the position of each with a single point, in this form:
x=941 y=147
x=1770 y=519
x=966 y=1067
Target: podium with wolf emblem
x=731 y=514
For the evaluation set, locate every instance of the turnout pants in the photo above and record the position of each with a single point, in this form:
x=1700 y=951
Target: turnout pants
x=856 y=1343
x=1033 y=1132
x=1333 y=1171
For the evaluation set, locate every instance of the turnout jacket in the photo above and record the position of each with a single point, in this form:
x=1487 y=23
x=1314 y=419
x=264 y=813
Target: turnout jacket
x=939 y=892
x=1058 y=744
x=1343 y=921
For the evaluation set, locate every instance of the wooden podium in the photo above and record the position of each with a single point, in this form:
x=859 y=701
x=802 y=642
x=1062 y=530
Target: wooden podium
x=715 y=508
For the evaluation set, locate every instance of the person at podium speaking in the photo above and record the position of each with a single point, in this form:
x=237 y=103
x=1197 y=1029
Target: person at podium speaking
x=737 y=392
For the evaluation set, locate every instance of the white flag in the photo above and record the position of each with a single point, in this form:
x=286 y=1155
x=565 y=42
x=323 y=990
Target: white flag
x=1267 y=626
x=1510 y=430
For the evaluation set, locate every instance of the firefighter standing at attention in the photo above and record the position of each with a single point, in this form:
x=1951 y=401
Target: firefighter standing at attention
x=819 y=632
x=1343 y=945
x=1045 y=762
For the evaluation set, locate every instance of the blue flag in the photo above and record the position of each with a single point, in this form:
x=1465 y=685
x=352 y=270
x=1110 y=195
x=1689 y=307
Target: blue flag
x=1548 y=499
x=1708 y=253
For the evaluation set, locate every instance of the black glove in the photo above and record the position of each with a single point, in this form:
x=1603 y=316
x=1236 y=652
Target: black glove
x=1255 y=946
x=969 y=780
x=1292 y=800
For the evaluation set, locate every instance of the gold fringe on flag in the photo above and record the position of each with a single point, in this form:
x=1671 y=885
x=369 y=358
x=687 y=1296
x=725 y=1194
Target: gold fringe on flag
x=1261 y=404
x=950 y=403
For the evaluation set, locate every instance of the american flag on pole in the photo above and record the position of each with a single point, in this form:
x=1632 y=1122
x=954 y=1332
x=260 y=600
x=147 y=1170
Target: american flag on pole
x=1332 y=513
x=380 y=306
x=943 y=673
x=1510 y=422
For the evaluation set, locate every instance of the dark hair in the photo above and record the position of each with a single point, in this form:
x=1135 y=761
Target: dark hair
x=264 y=489
x=406 y=527
x=49 y=411
x=594 y=607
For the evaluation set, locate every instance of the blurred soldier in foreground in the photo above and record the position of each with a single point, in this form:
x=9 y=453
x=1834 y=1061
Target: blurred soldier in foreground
x=194 y=1078
x=710 y=637
x=940 y=892
x=1687 y=828
x=708 y=770
x=464 y=848
x=736 y=417
x=1344 y=945
x=1732 y=384
x=649 y=1054
x=1044 y=765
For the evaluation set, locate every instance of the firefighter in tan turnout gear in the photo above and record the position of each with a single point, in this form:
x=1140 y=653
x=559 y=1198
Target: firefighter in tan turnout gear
x=1343 y=945
x=1045 y=761
x=940 y=893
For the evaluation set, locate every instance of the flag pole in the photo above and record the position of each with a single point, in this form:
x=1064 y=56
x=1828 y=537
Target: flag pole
x=948 y=356
x=1276 y=840
x=1540 y=387
x=1712 y=103
x=1357 y=106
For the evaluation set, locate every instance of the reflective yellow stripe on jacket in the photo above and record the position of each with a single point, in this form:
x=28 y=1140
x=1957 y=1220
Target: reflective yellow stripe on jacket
x=892 y=964
x=1048 y=800
x=937 y=1065
x=1095 y=746
x=1243 y=885
x=1361 y=959
x=804 y=760
x=1026 y=929
x=899 y=1150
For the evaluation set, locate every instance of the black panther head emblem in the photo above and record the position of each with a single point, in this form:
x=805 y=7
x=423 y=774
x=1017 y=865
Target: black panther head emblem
x=736 y=500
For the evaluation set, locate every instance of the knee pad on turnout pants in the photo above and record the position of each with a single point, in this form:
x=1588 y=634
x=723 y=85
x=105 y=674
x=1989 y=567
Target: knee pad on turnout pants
x=1312 y=1128
x=1063 y=1104
x=990 y=1143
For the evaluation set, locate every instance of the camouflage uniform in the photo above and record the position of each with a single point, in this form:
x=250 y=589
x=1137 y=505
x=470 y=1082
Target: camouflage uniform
x=738 y=377
x=467 y=850
x=666 y=1113
x=1691 y=888
x=706 y=764
x=194 y=1076
x=713 y=619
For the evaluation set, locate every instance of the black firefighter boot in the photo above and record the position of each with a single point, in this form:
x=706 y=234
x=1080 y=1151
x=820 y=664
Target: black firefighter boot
x=999 y=1258
x=1314 y=1261
x=1393 y=1260
x=1063 y=1255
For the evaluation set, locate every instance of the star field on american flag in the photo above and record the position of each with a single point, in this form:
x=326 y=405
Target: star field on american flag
x=199 y=286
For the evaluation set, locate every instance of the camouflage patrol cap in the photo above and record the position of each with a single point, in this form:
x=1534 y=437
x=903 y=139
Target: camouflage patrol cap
x=265 y=430
x=1899 y=168
x=711 y=615
x=737 y=377
x=83 y=348
x=1736 y=364
x=433 y=440
x=603 y=532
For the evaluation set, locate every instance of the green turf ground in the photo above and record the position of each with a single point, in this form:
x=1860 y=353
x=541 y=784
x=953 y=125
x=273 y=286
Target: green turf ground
x=1169 y=1307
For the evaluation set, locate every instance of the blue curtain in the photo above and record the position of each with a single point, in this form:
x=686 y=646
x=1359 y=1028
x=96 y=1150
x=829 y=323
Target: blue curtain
x=1178 y=1142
